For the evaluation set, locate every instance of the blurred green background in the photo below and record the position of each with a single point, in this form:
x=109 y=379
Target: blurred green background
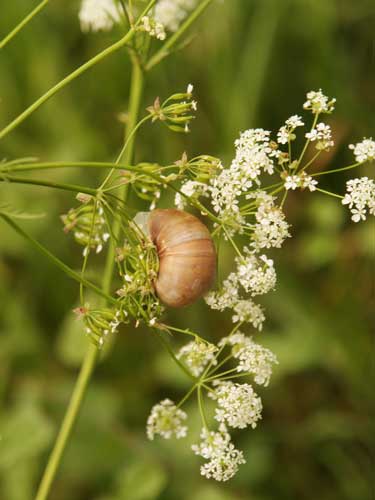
x=251 y=62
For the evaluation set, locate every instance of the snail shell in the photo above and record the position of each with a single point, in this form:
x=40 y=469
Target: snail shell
x=187 y=257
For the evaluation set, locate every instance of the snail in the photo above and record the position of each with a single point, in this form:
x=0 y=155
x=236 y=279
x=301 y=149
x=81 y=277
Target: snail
x=187 y=256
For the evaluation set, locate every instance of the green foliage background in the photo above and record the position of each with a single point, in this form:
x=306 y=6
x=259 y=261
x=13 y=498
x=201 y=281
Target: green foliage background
x=252 y=62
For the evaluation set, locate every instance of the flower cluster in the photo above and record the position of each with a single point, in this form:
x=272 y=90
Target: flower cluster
x=152 y=27
x=99 y=15
x=166 y=420
x=223 y=458
x=318 y=103
x=238 y=404
x=364 y=151
x=322 y=135
x=171 y=13
x=301 y=181
x=254 y=155
x=286 y=132
x=87 y=223
x=360 y=198
x=252 y=357
x=197 y=355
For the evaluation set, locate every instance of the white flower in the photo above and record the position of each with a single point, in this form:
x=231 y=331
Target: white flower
x=301 y=180
x=192 y=189
x=285 y=133
x=171 y=13
x=166 y=420
x=294 y=122
x=197 y=355
x=226 y=297
x=99 y=15
x=238 y=405
x=317 y=102
x=252 y=357
x=256 y=274
x=271 y=228
x=291 y=182
x=322 y=134
x=254 y=155
x=223 y=458
x=364 y=151
x=246 y=311
x=360 y=198
x=153 y=28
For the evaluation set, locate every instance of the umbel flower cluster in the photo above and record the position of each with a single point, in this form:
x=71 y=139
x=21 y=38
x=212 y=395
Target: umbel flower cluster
x=167 y=16
x=243 y=199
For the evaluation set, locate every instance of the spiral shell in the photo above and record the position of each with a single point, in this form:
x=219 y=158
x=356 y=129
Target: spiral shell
x=187 y=257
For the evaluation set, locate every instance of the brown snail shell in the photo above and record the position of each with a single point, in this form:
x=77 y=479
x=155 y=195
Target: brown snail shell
x=187 y=256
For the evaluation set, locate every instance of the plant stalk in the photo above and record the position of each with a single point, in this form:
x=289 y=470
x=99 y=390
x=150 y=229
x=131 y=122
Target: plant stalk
x=70 y=418
x=22 y=24
x=92 y=354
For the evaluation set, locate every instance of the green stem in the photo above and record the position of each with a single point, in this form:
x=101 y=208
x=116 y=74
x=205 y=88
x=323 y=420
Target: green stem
x=71 y=414
x=165 y=49
x=329 y=193
x=23 y=23
x=316 y=117
x=336 y=170
x=136 y=89
x=66 y=269
x=56 y=185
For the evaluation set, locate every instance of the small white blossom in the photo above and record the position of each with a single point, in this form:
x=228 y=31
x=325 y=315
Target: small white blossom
x=271 y=228
x=364 y=151
x=317 y=102
x=192 y=189
x=360 y=198
x=254 y=155
x=171 y=13
x=99 y=15
x=257 y=275
x=322 y=134
x=285 y=133
x=153 y=28
x=166 y=420
x=291 y=182
x=294 y=122
x=226 y=297
x=301 y=181
x=238 y=405
x=246 y=311
x=223 y=458
x=197 y=355
x=252 y=357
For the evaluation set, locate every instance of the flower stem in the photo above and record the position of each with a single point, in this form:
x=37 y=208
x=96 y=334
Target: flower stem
x=22 y=24
x=136 y=89
x=79 y=391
